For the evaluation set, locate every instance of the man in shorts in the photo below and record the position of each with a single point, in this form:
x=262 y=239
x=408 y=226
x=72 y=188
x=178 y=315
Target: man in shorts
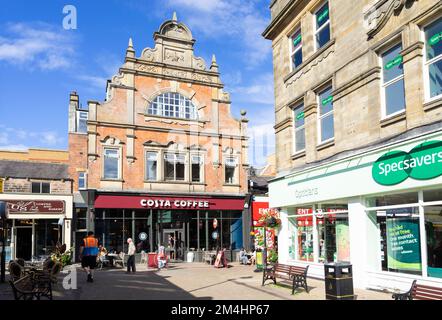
x=88 y=255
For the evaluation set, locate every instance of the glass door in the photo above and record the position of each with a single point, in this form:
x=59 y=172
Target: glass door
x=23 y=243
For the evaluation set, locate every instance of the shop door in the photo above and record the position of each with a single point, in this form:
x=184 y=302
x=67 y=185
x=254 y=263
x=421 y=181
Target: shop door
x=173 y=239
x=23 y=243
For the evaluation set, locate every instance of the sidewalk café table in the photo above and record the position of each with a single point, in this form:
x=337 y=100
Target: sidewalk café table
x=111 y=257
x=152 y=260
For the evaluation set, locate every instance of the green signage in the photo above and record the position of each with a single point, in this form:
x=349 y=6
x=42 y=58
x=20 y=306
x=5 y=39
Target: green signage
x=423 y=162
x=435 y=39
x=297 y=40
x=403 y=245
x=300 y=116
x=327 y=100
x=396 y=61
x=323 y=15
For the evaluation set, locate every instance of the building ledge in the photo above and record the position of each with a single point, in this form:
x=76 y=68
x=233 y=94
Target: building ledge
x=393 y=119
x=433 y=104
x=298 y=155
x=325 y=145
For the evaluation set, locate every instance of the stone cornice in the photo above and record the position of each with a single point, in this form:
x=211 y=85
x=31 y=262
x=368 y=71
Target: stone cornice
x=357 y=82
x=269 y=32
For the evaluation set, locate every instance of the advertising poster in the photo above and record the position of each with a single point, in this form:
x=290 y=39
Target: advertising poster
x=259 y=238
x=342 y=241
x=403 y=244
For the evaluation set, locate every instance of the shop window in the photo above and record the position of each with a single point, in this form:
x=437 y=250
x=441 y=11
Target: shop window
x=326 y=125
x=296 y=49
x=304 y=234
x=393 y=92
x=197 y=166
x=433 y=230
x=81 y=214
x=393 y=199
x=433 y=59
x=433 y=195
x=82 y=182
x=230 y=170
x=111 y=163
x=400 y=240
x=82 y=117
x=41 y=187
x=322 y=32
x=174 y=166
x=47 y=234
x=333 y=237
x=299 y=140
x=151 y=165
x=173 y=105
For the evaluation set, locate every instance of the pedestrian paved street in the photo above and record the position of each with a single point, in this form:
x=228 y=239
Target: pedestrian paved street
x=187 y=281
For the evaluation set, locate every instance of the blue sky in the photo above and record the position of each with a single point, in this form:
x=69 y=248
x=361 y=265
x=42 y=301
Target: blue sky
x=41 y=63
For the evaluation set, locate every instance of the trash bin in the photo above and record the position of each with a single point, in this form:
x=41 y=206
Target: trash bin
x=190 y=256
x=338 y=281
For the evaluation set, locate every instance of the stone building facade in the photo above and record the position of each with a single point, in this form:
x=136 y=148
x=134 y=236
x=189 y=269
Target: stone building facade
x=352 y=83
x=164 y=132
x=37 y=192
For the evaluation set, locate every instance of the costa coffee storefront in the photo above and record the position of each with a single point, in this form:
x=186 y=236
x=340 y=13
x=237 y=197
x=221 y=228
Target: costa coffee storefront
x=197 y=223
x=36 y=223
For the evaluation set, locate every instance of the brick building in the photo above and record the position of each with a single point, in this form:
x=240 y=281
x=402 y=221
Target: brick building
x=358 y=109
x=37 y=192
x=162 y=156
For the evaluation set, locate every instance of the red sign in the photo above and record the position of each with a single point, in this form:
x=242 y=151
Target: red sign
x=35 y=206
x=169 y=203
x=258 y=210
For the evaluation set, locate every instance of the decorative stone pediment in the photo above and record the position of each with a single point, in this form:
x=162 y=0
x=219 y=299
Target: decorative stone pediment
x=111 y=141
x=152 y=143
x=378 y=15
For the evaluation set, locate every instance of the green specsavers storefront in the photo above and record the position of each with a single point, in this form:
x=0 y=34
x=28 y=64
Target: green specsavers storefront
x=379 y=209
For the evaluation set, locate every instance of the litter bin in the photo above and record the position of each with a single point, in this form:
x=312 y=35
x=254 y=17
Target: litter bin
x=338 y=281
x=190 y=256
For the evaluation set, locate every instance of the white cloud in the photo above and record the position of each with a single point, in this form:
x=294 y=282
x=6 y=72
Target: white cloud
x=14 y=147
x=36 y=46
x=259 y=90
x=13 y=138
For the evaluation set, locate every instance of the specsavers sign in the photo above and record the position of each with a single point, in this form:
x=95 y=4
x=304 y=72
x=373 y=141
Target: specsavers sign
x=423 y=162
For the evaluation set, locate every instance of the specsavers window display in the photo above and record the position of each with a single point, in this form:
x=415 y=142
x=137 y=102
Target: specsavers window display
x=330 y=224
x=410 y=229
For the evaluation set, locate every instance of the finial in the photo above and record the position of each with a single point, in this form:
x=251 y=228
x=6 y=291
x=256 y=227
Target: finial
x=174 y=18
x=131 y=45
x=213 y=59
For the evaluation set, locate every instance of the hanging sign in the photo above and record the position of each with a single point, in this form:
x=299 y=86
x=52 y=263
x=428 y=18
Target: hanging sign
x=327 y=100
x=435 y=39
x=396 y=61
x=423 y=162
x=215 y=235
x=323 y=15
x=142 y=236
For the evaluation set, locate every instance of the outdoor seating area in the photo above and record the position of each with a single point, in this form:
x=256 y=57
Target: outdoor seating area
x=420 y=292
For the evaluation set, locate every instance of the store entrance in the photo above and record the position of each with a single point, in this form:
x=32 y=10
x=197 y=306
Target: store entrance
x=23 y=243
x=173 y=240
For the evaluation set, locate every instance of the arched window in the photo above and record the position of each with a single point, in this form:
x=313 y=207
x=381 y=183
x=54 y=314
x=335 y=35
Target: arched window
x=173 y=105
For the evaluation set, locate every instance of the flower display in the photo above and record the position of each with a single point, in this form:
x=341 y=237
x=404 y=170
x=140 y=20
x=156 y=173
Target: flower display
x=270 y=218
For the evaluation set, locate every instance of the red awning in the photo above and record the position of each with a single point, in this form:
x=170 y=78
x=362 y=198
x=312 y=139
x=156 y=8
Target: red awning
x=168 y=203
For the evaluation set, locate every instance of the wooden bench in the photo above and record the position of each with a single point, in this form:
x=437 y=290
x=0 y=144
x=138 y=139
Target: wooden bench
x=28 y=288
x=420 y=292
x=298 y=275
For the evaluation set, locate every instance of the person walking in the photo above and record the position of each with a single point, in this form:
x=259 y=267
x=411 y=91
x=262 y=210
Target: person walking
x=131 y=253
x=88 y=255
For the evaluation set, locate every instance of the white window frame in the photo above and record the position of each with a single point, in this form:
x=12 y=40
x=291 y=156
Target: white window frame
x=317 y=30
x=427 y=64
x=294 y=51
x=119 y=162
x=387 y=84
x=295 y=129
x=320 y=117
x=79 y=113
x=201 y=163
x=146 y=178
x=84 y=179
x=161 y=106
x=235 y=173
x=175 y=154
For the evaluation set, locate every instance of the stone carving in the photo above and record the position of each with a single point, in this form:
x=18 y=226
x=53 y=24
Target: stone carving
x=180 y=123
x=174 y=56
x=118 y=79
x=377 y=16
x=199 y=63
x=146 y=68
x=149 y=54
x=175 y=73
x=200 y=77
x=311 y=65
x=176 y=31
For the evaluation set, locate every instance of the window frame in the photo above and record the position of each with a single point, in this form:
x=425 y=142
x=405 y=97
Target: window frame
x=79 y=113
x=427 y=63
x=294 y=51
x=201 y=164
x=316 y=29
x=235 y=172
x=41 y=187
x=146 y=177
x=385 y=85
x=320 y=117
x=295 y=129
x=162 y=106
x=118 y=162
x=175 y=154
x=84 y=178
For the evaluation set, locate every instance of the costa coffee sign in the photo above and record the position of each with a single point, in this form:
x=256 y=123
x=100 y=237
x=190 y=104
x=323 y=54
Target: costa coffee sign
x=174 y=204
x=35 y=206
